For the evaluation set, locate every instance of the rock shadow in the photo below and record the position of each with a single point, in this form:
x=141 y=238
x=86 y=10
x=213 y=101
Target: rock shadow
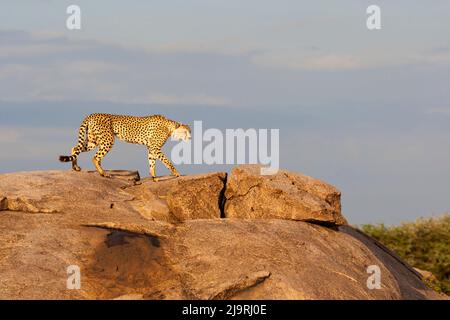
x=128 y=263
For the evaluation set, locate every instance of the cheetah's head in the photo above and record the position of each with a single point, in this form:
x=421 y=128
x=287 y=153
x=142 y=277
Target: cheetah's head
x=183 y=132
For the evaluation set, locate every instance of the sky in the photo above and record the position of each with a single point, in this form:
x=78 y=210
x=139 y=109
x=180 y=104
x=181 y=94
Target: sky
x=367 y=111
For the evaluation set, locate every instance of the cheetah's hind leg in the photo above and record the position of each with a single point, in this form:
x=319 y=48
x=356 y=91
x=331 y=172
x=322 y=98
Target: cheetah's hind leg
x=97 y=160
x=75 y=165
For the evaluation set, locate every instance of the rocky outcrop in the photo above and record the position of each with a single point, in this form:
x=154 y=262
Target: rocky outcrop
x=172 y=200
x=184 y=198
x=284 y=195
x=167 y=240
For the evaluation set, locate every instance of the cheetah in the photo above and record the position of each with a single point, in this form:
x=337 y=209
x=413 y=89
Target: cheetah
x=100 y=130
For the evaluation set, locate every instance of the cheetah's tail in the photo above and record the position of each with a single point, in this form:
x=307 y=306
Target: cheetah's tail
x=81 y=146
x=66 y=158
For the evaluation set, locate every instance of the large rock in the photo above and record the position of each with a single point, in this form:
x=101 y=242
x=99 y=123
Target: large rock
x=284 y=195
x=127 y=250
x=58 y=191
x=191 y=197
x=199 y=259
x=183 y=198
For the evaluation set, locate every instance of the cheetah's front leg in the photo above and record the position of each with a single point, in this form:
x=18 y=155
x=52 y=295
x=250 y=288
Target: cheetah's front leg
x=162 y=157
x=98 y=166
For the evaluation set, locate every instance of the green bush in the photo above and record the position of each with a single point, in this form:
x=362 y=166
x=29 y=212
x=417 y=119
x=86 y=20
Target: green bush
x=424 y=244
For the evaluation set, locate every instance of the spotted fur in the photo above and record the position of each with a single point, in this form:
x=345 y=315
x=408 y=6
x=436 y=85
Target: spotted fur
x=100 y=130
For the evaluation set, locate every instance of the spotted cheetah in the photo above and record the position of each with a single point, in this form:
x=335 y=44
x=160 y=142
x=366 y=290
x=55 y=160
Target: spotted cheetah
x=152 y=131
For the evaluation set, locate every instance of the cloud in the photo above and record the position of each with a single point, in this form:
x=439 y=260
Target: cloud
x=167 y=99
x=87 y=81
x=20 y=43
x=438 y=58
x=322 y=60
x=48 y=67
x=439 y=111
x=294 y=61
x=32 y=50
x=51 y=67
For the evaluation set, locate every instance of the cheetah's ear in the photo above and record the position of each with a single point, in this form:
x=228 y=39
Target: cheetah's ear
x=185 y=126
